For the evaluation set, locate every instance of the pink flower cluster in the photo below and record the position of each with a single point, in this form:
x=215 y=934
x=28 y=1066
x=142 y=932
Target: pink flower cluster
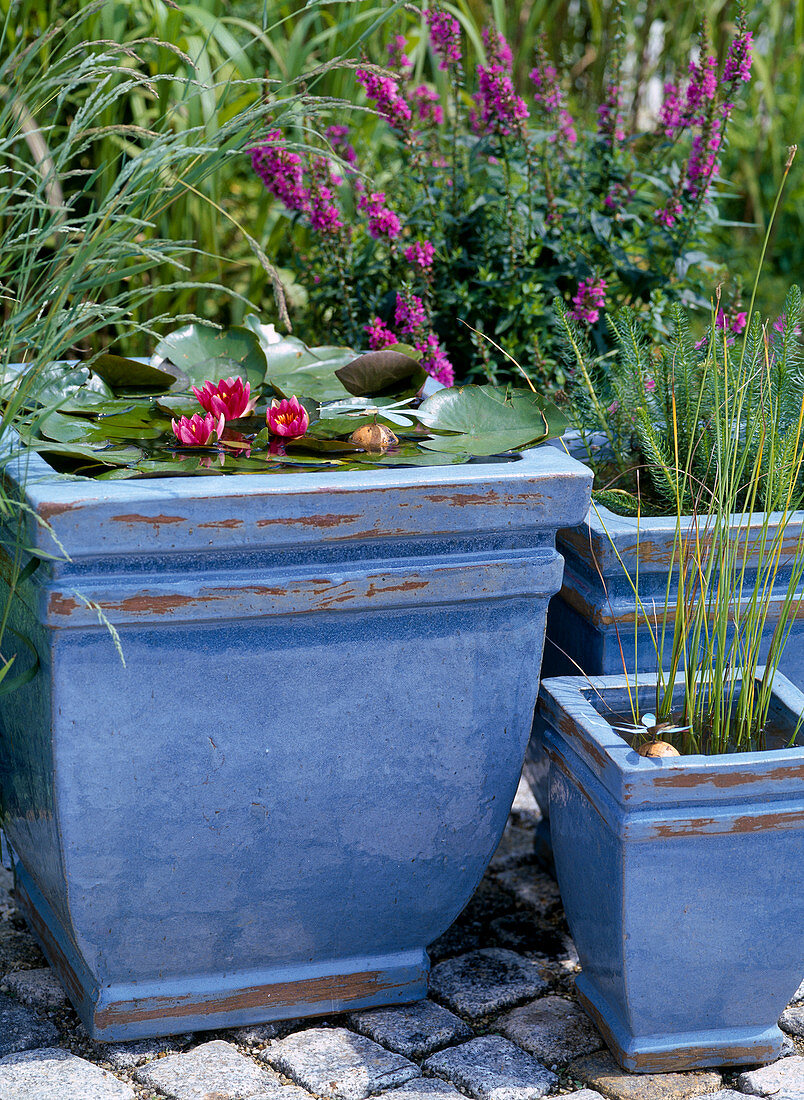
x=382 y=220
x=589 y=300
x=738 y=60
x=609 y=120
x=230 y=399
x=549 y=96
x=445 y=37
x=388 y=99
x=299 y=186
x=734 y=322
x=499 y=109
x=337 y=136
x=410 y=318
x=427 y=105
x=420 y=254
x=397 y=58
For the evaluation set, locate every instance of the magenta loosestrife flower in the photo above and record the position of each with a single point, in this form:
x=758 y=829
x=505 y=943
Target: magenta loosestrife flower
x=379 y=335
x=499 y=109
x=409 y=315
x=734 y=323
x=549 y=96
x=337 y=136
x=281 y=171
x=671 y=115
x=435 y=360
x=445 y=37
x=702 y=162
x=230 y=398
x=669 y=214
x=287 y=418
x=701 y=89
x=589 y=300
x=738 y=59
x=427 y=105
x=609 y=122
x=780 y=324
x=420 y=254
x=390 y=102
x=383 y=222
x=198 y=431
x=397 y=58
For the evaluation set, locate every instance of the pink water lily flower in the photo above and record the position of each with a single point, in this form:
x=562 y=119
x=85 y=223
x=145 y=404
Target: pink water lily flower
x=198 y=431
x=229 y=398
x=287 y=418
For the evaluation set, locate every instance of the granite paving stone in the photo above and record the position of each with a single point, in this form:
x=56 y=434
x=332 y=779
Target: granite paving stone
x=37 y=988
x=424 y=1088
x=253 y=1035
x=792 y=1021
x=784 y=1078
x=485 y=981
x=55 y=1074
x=139 y=1051
x=515 y=847
x=721 y=1094
x=798 y=995
x=582 y=1094
x=554 y=1029
x=336 y=1062
x=214 y=1071
x=601 y=1072
x=532 y=888
x=414 y=1030
x=21 y=1028
x=492 y=1068
x=525 y=806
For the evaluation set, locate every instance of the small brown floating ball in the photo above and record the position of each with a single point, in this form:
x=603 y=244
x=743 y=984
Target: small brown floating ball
x=658 y=748
x=374 y=438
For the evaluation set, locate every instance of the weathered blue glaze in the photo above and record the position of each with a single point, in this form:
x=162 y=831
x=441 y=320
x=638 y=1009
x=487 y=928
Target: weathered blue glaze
x=681 y=882
x=590 y=623
x=296 y=781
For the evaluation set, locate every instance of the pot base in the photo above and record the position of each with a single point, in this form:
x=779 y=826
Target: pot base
x=676 y=1052
x=167 y=1006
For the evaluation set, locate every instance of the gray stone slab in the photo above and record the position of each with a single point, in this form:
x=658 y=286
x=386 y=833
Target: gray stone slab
x=37 y=988
x=413 y=1030
x=785 y=1078
x=22 y=1029
x=139 y=1051
x=424 y=1088
x=553 y=1029
x=525 y=805
x=582 y=1094
x=792 y=1021
x=18 y=950
x=721 y=1094
x=254 y=1035
x=55 y=1074
x=492 y=1068
x=798 y=995
x=214 y=1071
x=533 y=888
x=485 y=981
x=601 y=1073
x=336 y=1062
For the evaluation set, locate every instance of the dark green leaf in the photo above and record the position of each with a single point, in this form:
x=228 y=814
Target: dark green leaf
x=121 y=373
x=377 y=371
x=488 y=421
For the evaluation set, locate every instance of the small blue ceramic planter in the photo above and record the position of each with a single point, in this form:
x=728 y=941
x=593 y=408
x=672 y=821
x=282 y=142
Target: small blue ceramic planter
x=681 y=881
x=297 y=780
x=590 y=623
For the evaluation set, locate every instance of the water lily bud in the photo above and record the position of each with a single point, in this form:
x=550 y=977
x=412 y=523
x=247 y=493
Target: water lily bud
x=658 y=748
x=375 y=438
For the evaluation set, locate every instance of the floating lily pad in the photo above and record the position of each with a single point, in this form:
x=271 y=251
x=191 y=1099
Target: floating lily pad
x=121 y=373
x=198 y=349
x=488 y=421
x=378 y=370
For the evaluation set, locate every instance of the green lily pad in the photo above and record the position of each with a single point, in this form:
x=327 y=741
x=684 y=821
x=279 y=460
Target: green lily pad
x=107 y=456
x=196 y=349
x=488 y=421
x=121 y=373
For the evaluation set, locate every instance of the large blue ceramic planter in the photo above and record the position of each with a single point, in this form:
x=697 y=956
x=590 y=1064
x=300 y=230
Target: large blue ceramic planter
x=681 y=881
x=296 y=781
x=590 y=622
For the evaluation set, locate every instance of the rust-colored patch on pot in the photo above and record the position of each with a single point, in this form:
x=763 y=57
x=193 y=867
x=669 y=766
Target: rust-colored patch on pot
x=722 y=780
x=56 y=957
x=50 y=508
x=232 y=523
x=157 y=521
x=406 y=586
x=341 y=988
x=328 y=519
x=61 y=605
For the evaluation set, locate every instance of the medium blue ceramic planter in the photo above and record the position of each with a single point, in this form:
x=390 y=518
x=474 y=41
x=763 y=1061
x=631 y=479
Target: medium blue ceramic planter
x=296 y=781
x=681 y=881
x=593 y=615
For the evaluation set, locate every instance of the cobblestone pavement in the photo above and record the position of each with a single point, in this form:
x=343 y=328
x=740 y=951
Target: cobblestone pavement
x=500 y=1024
